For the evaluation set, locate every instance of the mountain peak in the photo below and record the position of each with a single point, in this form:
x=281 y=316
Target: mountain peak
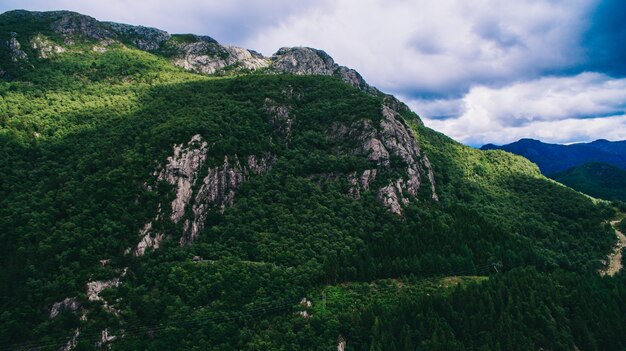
x=197 y=53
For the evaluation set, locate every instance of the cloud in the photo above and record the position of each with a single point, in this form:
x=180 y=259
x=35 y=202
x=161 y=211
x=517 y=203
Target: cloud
x=555 y=109
x=438 y=48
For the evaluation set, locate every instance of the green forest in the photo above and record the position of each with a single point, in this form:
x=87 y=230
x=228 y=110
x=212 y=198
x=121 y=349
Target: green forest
x=599 y=180
x=505 y=259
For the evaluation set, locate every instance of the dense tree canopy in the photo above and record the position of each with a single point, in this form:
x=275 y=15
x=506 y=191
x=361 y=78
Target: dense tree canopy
x=81 y=134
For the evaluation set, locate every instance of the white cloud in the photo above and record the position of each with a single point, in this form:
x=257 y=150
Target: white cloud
x=553 y=109
x=438 y=46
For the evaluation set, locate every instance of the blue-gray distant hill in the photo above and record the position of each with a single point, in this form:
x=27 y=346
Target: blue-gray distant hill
x=553 y=158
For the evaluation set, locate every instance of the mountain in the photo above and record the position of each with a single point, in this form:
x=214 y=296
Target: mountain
x=162 y=191
x=600 y=180
x=552 y=158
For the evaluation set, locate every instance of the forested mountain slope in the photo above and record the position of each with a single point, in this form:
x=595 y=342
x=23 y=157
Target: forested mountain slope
x=164 y=191
x=600 y=180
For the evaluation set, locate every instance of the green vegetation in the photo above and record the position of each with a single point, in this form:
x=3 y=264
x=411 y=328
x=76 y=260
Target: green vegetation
x=600 y=180
x=83 y=131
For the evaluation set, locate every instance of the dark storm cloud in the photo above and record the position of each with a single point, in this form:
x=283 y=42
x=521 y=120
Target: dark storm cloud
x=605 y=41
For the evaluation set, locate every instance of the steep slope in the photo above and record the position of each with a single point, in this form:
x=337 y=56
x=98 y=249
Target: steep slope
x=552 y=158
x=600 y=180
x=145 y=206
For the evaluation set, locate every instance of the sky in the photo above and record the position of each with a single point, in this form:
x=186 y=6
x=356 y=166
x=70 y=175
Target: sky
x=480 y=71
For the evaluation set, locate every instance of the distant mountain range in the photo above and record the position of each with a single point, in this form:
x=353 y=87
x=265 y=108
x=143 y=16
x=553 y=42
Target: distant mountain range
x=553 y=158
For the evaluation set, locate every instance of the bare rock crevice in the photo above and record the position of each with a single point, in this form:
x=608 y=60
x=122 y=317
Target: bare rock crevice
x=68 y=304
x=218 y=190
x=15 y=49
x=215 y=192
x=391 y=137
x=181 y=171
x=280 y=118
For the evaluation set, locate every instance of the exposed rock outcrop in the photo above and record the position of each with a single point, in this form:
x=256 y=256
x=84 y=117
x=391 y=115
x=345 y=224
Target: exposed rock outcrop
x=248 y=59
x=392 y=137
x=148 y=240
x=341 y=343
x=145 y=38
x=205 y=55
x=303 y=61
x=181 y=171
x=15 y=49
x=360 y=183
x=71 y=344
x=68 y=304
x=44 y=47
x=279 y=118
x=94 y=288
x=71 y=24
x=105 y=338
x=216 y=192
x=309 y=61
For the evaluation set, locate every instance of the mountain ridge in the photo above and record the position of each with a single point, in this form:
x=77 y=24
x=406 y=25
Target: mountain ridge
x=196 y=53
x=552 y=158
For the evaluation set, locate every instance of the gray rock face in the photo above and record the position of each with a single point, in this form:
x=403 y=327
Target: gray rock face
x=74 y=24
x=147 y=239
x=353 y=78
x=181 y=171
x=94 y=288
x=207 y=56
x=145 y=38
x=279 y=118
x=248 y=59
x=341 y=343
x=72 y=342
x=68 y=304
x=216 y=192
x=379 y=143
x=15 y=49
x=301 y=61
x=309 y=61
x=45 y=47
